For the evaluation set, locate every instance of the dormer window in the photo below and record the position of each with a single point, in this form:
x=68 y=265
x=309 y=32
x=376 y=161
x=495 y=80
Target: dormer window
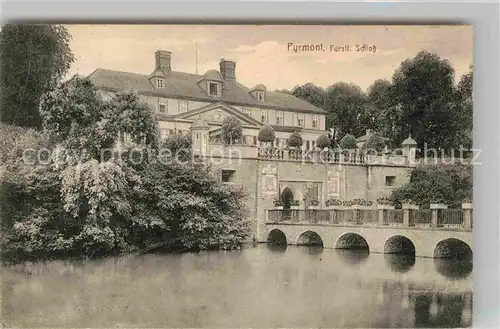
x=214 y=89
x=160 y=83
x=260 y=95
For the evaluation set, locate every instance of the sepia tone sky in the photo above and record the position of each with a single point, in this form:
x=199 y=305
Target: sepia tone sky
x=261 y=52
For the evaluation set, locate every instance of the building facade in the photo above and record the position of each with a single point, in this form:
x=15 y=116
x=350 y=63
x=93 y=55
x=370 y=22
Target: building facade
x=180 y=98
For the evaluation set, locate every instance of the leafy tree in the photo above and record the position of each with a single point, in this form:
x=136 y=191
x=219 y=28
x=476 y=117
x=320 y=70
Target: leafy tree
x=348 y=142
x=385 y=111
x=231 y=130
x=464 y=110
x=310 y=93
x=348 y=109
x=283 y=91
x=177 y=147
x=423 y=91
x=375 y=142
x=34 y=58
x=437 y=184
x=323 y=142
x=295 y=140
x=266 y=134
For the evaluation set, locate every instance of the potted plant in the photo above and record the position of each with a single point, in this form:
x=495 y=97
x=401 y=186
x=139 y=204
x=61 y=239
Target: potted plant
x=295 y=204
x=361 y=204
x=333 y=204
x=385 y=203
x=313 y=204
x=278 y=204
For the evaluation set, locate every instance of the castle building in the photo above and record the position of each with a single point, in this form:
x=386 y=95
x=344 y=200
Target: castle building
x=180 y=98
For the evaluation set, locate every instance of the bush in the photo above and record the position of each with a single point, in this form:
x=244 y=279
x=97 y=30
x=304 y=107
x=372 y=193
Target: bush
x=231 y=130
x=438 y=183
x=295 y=140
x=177 y=147
x=348 y=142
x=323 y=142
x=266 y=134
x=374 y=142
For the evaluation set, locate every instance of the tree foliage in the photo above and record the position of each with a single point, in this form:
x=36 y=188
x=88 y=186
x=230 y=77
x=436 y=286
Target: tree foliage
x=437 y=184
x=348 y=142
x=231 y=130
x=96 y=206
x=348 y=109
x=323 y=141
x=374 y=142
x=266 y=134
x=34 y=58
x=295 y=140
x=310 y=93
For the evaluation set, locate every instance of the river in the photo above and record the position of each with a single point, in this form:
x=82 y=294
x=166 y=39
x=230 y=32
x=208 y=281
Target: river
x=260 y=286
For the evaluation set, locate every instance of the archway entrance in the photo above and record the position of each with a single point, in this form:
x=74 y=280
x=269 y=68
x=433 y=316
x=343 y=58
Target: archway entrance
x=287 y=198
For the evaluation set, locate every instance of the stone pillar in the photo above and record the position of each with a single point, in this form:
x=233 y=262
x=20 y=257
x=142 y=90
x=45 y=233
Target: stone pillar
x=335 y=213
x=467 y=213
x=407 y=208
x=383 y=211
x=435 y=207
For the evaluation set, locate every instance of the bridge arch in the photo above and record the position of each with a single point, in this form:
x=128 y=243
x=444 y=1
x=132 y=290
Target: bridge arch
x=309 y=238
x=277 y=237
x=351 y=241
x=399 y=244
x=452 y=248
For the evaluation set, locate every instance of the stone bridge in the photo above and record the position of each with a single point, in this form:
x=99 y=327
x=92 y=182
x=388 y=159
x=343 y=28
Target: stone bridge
x=421 y=241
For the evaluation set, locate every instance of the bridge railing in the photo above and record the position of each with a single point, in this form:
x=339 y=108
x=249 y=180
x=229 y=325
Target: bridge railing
x=382 y=217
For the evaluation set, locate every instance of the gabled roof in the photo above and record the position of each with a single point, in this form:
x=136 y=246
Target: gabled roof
x=185 y=86
x=225 y=107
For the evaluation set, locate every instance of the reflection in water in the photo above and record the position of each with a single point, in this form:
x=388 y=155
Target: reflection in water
x=303 y=287
x=353 y=256
x=274 y=247
x=453 y=268
x=400 y=262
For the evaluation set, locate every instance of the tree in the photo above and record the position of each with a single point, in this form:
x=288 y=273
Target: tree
x=34 y=58
x=266 y=134
x=231 y=130
x=387 y=120
x=464 y=115
x=310 y=93
x=449 y=184
x=179 y=147
x=423 y=91
x=348 y=142
x=348 y=109
x=295 y=140
x=374 y=142
x=323 y=142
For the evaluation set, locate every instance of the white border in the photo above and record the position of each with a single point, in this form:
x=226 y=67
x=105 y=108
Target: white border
x=482 y=15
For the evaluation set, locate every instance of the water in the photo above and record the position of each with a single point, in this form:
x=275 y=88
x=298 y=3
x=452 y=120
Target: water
x=261 y=286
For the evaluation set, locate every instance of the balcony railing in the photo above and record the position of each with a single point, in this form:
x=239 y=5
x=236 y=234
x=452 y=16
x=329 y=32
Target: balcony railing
x=419 y=218
x=326 y=156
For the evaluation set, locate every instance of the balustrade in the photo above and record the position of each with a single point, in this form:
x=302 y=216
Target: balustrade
x=367 y=216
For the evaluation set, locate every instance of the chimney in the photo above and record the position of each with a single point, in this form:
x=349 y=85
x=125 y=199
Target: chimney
x=163 y=60
x=227 y=69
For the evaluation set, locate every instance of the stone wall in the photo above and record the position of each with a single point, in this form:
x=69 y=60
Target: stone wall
x=264 y=179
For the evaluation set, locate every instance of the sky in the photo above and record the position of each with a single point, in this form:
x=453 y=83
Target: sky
x=262 y=53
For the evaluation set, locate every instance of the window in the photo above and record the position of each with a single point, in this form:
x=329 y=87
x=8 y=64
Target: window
x=183 y=106
x=247 y=111
x=263 y=116
x=162 y=105
x=160 y=83
x=279 y=118
x=300 y=120
x=390 y=180
x=227 y=175
x=308 y=145
x=164 y=133
x=259 y=95
x=313 y=145
x=315 y=122
x=213 y=89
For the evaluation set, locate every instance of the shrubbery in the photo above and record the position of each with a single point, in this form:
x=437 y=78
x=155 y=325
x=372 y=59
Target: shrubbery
x=90 y=207
x=232 y=130
x=323 y=142
x=266 y=134
x=295 y=140
x=437 y=184
x=348 y=142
